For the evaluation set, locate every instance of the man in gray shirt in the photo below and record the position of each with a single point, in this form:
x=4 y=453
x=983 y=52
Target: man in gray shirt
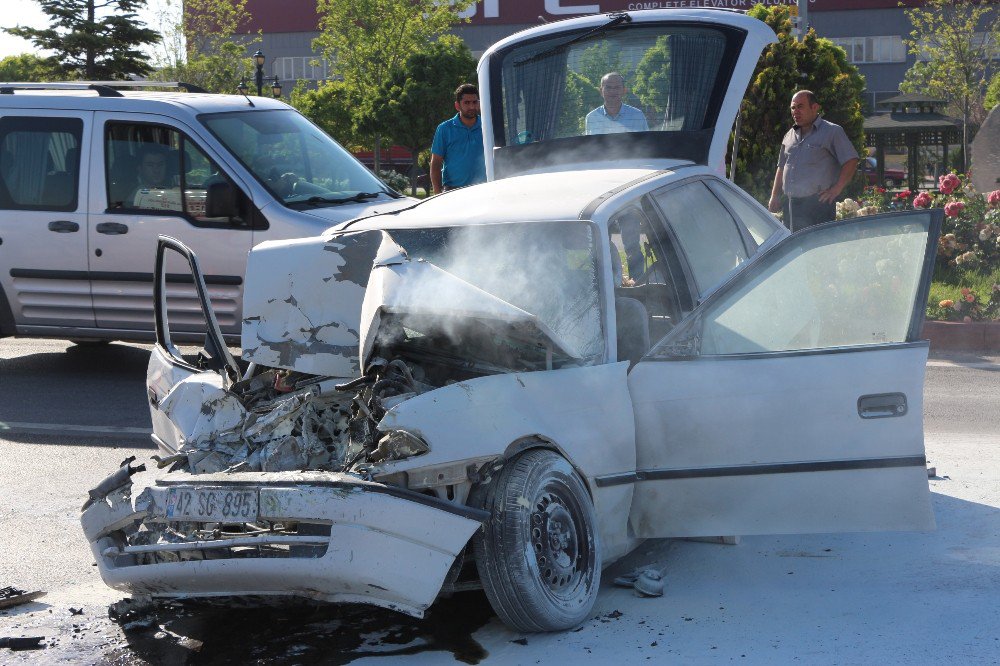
x=816 y=162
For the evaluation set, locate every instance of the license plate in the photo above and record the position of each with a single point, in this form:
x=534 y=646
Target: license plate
x=212 y=505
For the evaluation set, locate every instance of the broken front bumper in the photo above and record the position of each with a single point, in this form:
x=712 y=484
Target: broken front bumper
x=325 y=536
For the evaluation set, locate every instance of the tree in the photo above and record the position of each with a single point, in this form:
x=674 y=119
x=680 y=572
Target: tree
x=992 y=93
x=954 y=41
x=329 y=106
x=29 y=67
x=206 y=44
x=94 y=39
x=368 y=40
x=785 y=67
x=652 y=76
x=419 y=93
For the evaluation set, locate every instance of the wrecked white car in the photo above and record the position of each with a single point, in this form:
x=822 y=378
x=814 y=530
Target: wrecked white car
x=511 y=385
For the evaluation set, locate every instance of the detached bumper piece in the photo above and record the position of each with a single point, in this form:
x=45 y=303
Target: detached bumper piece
x=325 y=536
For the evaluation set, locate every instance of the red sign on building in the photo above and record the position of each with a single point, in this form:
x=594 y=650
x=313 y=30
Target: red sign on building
x=300 y=15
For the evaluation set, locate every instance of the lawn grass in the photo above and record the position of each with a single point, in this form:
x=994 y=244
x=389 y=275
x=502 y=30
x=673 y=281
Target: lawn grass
x=949 y=282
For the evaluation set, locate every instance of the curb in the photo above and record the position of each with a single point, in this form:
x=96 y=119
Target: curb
x=977 y=336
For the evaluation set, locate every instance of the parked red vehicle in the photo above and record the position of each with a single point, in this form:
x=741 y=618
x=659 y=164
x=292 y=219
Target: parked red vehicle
x=893 y=177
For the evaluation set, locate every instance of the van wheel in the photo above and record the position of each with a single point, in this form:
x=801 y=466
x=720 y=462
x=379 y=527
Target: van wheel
x=890 y=183
x=538 y=555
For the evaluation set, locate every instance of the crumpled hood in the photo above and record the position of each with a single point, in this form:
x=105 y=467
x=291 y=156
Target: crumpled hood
x=433 y=299
x=314 y=305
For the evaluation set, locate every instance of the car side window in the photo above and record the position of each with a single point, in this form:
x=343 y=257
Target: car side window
x=156 y=169
x=647 y=298
x=705 y=230
x=845 y=285
x=760 y=224
x=40 y=163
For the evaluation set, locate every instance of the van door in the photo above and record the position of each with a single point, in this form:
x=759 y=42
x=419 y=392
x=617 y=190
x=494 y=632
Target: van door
x=43 y=221
x=154 y=179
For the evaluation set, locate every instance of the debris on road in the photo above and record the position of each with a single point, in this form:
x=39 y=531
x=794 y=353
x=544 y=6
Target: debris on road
x=646 y=582
x=649 y=583
x=23 y=643
x=11 y=596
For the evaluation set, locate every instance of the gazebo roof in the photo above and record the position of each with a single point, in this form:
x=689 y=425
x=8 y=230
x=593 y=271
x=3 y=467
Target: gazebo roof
x=900 y=122
x=912 y=99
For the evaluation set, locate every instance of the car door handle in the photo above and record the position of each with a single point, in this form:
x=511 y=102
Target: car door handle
x=882 y=405
x=112 y=228
x=63 y=226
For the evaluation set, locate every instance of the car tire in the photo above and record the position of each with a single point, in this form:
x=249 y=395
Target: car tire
x=890 y=182
x=538 y=555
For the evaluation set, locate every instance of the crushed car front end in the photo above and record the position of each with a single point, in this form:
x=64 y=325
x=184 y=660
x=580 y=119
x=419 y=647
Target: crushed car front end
x=327 y=463
x=317 y=535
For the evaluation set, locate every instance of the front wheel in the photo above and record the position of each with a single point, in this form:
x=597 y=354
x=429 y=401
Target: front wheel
x=890 y=183
x=538 y=556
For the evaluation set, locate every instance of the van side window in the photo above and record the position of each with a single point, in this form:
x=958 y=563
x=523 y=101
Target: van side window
x=40 y=163
x=156 y=169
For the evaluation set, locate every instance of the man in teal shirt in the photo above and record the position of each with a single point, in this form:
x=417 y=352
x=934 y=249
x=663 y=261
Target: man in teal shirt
x=457 y=156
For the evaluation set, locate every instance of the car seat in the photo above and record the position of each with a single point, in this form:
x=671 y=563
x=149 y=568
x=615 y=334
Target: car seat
x=632 y=329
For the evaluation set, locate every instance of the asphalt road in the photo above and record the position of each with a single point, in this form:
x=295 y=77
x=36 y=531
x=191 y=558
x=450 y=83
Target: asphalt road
x=69 y=415
x=58 y=388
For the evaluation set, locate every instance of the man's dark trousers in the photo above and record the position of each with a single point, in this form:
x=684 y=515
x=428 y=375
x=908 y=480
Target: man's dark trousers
x=802 y=212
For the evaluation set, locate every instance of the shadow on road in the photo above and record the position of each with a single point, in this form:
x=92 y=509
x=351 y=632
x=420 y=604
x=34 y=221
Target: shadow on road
x=197 y=633
x=81 y=386
x=114 y=360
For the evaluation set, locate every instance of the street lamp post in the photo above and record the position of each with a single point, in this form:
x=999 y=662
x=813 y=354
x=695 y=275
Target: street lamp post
x=259 y=59
x=276 y=87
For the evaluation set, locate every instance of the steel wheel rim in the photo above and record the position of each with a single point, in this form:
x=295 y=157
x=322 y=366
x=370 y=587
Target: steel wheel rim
x=555 y=530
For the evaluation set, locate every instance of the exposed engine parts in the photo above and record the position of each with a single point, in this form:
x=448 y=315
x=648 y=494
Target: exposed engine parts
x=279 y=420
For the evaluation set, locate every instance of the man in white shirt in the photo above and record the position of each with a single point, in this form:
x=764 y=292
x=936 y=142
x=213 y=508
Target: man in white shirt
x=614 y=116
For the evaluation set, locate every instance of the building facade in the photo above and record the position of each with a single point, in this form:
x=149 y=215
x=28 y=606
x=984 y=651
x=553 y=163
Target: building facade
x=871 y=31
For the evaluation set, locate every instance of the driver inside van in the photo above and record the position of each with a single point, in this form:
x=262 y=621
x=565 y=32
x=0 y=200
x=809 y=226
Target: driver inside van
x=271 y=162
x=152 y=172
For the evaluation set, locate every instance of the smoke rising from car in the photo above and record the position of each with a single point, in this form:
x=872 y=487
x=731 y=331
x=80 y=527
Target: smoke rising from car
x=545 y=269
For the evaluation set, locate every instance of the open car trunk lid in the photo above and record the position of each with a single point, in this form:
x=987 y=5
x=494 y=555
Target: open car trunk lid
x=686 y=70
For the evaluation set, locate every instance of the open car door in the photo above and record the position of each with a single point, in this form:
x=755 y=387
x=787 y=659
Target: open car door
x=790 y=401
x=215 y=365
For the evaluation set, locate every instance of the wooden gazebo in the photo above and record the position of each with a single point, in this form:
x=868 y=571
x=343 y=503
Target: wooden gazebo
x=912 y=122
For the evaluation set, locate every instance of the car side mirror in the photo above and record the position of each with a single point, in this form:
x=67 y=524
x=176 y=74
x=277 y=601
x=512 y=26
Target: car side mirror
x=220 y=200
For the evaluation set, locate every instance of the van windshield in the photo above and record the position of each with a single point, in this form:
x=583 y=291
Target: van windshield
x=295 y=160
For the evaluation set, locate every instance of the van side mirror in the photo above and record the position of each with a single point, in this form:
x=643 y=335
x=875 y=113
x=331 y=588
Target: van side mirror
x=220 y=200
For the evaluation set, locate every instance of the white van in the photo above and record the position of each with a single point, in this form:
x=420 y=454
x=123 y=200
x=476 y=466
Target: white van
x=91 y=175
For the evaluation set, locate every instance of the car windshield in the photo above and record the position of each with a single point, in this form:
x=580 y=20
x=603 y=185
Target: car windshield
x=299 y=163
x=612 y=80
x=545 y=268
